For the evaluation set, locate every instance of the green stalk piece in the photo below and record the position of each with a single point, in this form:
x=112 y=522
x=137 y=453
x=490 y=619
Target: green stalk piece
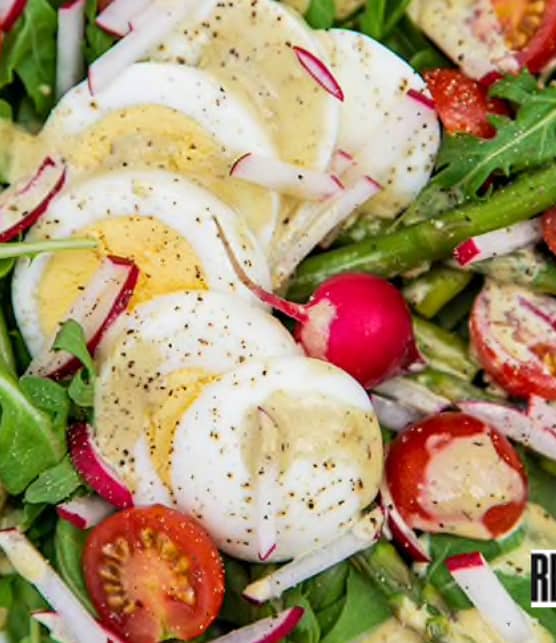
x=452 y=387
x=6 y=349
x=28 y=249
x=434 y=239
x=444 y=350
x=430 y=292
x=364 y=228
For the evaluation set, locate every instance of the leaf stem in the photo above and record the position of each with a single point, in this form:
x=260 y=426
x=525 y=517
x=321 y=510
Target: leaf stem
x=26 y=249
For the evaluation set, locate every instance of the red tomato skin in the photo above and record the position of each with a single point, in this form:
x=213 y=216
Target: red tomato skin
x=462 y=103
x=520 y=381
x=549 y=229
x=541 y=48
x=206 y=575
x=408 y=459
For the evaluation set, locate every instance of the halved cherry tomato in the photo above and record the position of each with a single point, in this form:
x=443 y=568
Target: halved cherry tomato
x=549 y=228
x=530 y=28
x=462 y=103
x=452 y=473
x=154 y=573
x=513 y=333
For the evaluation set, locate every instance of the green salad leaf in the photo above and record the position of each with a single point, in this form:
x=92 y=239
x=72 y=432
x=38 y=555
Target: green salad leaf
x=381 y=17
x=48 y=396
x=54 y=485
x=29 y=52
x=97 y=41
x=71 y=338
x=29 y=441
x=321 y=14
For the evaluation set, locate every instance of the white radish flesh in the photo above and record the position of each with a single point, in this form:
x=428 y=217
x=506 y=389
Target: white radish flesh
x=498 y=242
x=414 y=395
x=268 y=630
x=341 y=162
x=392 y=414
x=116 y=18
x=85 y=512
x=364 y=533
x=55 y=626
x=481 y=585
x=30 y=564
x=69 y=58
x=285 y=178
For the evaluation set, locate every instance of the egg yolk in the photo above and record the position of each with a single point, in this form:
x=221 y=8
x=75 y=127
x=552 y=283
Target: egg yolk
x=166 y=261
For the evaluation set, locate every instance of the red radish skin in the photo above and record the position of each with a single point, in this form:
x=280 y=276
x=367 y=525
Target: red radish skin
x=316 y=68
x=94 y=471
x=356 y=321
x=31 y=217
x=14 y=12
x=466 y=252
x=85 y=512
x=464 y=561
x=272 y=629
x=425 y=100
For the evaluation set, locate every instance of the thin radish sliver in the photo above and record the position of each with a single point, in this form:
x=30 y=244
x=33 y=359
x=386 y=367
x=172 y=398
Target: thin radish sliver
x=71 y=32
x=22 y=205
x=285 y=178
x=268 y=630
x=85 y=512
x=498 y=242
x=30 y=564
x=317 y=69
x=422 y=99
x=414 y=395
x=10 y=11
x=116 y=18
x=96 y=473
x=341 y=162
x=361 y=536
x=481 y=585
x=392 y=414
x=104 y=299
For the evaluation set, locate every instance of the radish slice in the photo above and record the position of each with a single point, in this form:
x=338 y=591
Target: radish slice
x=10 y=10
x=104 y=299
x=341 y=162
x=362 y=535
x=498 y=242
x=392 y=414
x=268 y=630
x=55 y=625
x=85 y=512
x=542 y=412
x=94 y=471
x=267 y=484
x=69 y=59
x=481 y=585
x=515 y=425
x=30 y=564
x=322 y=219
x=22 y=205
x=319 y=72
x=401 y=531
x=414 y=395
x=116 y=18
x=148 y=29
x=422 y=99
x=285 y=178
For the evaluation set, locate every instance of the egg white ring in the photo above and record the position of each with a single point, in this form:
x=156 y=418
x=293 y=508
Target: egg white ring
x=202 y=463
x=171 y=199
x=193 y=92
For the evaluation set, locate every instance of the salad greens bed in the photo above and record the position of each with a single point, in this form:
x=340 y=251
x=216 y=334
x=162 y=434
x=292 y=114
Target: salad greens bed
x=354 y=596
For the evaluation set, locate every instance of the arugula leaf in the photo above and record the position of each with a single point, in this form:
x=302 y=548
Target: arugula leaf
x=321 y=13
x=97 y=40
x=54 y=485
x=69 y=543
x=71 y=338
x=29 y=443
x=29 y=51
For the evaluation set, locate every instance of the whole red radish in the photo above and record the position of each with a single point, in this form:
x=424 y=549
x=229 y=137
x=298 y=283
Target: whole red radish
x=355 y=321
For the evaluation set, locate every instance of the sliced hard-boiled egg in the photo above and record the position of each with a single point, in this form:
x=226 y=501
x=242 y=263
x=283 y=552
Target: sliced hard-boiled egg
x=249 y=47
x=161 y=116
x=277 y=457
x=392 y=137
x=163 y=222
x=468 y=31
x=155 y=359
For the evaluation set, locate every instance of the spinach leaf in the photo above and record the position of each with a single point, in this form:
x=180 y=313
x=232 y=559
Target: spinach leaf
x=327 y=587
x=69 y=543
x=321 y=13
x=30 y=52
x=97 y=41
x=54 y=485
x=71 y=338
x=49 y=397
x=26 y=600
x=29 y=442
x=308 y=630
x=541 y=483
x=519 y=588
x=364 y=608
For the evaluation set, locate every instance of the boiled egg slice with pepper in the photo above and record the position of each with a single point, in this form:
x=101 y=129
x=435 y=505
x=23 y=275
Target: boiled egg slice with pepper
x=160 y=220
x=153 y=362
x=248 y=46
x=161 y=116
x=276 y=457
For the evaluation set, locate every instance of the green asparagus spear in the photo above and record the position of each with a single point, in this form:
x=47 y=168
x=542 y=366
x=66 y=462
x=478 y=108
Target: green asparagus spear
x=399 y=251
x=450 y=316
x=364 y=228
x=430 y=292
x=450 y=386
x=443 y=350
